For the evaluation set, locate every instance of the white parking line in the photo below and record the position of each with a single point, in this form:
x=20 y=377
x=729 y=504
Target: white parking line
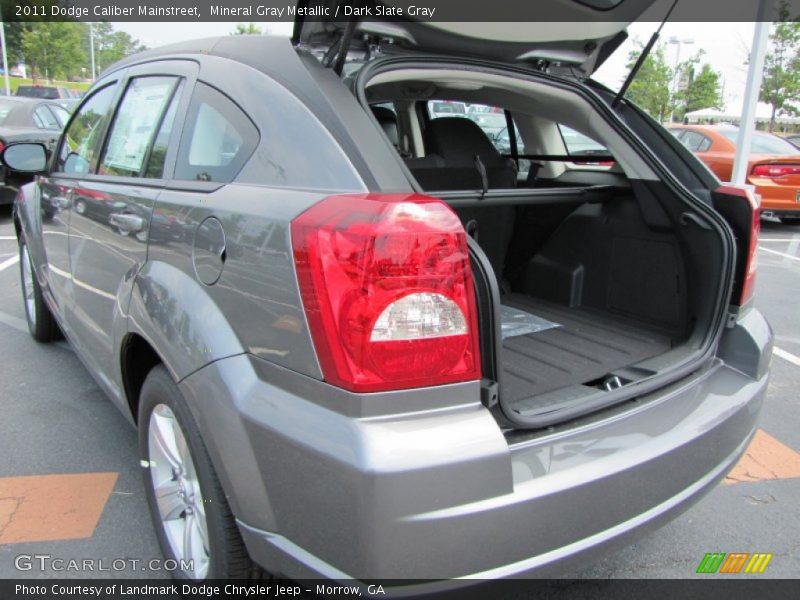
x=783 y=240
x=795 y=360
x=797 y=258
x=9 y=262
x=8 y=237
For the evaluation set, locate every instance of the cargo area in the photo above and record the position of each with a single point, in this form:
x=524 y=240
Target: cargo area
x=609 y=296
x=594 y=278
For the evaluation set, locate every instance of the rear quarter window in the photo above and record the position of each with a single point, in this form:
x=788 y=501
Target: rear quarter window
x=218 y=139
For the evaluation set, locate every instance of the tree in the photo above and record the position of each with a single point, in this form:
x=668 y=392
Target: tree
x=651 y=87
x=111 y=46
x=55 y=49
x=249 y=29
x=781 y=85
x=14 y=33
x=704 y=90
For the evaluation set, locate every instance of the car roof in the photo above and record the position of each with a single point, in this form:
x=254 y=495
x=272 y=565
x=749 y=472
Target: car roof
x=240 y=48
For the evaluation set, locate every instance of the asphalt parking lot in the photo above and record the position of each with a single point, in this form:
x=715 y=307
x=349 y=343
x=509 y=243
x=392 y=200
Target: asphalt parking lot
x=70 y=485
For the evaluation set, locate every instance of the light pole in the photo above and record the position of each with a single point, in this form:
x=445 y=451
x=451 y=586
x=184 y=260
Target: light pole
x=755 y=76
x=676 y=41
x=5 y=55
x=91 y=49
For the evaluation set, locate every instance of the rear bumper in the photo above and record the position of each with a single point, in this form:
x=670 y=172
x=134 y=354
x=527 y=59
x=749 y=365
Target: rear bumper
x=443 y=495
x=776 y=198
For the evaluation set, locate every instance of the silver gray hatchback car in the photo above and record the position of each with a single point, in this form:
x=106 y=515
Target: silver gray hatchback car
x=357 y=339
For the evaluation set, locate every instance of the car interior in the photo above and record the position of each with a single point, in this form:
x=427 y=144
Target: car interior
x=597 y=276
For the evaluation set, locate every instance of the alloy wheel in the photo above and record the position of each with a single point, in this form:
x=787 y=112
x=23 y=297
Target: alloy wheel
x=178 y=494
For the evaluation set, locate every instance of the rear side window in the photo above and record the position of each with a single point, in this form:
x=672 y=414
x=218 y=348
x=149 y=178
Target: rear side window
x=45 y=119
x=135 y=125
x=578 y=144
x=82 y=140
x=218 y=140
x=61 y=114
x=696 y=142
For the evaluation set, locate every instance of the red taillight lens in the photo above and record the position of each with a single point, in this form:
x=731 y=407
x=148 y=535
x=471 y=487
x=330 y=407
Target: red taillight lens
x=2 y=145
x=775 y=170
x=751 y=264
x=387 y=289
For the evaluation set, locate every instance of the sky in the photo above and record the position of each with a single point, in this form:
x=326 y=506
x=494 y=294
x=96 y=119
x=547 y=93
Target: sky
x=726 y=46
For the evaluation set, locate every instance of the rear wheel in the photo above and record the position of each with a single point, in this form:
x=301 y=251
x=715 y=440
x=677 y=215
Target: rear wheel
x=790 y=220
x=193 y=521
x=41 y=323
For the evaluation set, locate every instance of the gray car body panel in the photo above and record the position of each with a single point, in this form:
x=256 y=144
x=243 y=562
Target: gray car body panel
x=406 y=496
x=416 y=483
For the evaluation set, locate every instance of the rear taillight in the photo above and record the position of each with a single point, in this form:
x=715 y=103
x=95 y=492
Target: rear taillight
x=775 y=170
x=751 y=204
x=387 y=289
x=2 y=145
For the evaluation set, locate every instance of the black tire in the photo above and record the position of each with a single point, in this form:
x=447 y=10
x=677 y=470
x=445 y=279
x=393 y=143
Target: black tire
x=41 y=323
x=228 y=557
x=790 y=220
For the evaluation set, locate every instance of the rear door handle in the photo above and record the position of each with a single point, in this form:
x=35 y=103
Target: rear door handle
x=127 y=222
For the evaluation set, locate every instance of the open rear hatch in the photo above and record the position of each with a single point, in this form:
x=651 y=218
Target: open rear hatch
x=580 y=34
x=623 y=290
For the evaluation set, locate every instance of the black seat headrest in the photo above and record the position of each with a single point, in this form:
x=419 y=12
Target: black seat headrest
x=457 y=139
x=387 y=120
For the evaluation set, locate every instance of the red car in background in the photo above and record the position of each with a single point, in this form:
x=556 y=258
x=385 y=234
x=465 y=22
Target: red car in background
x=773 y=167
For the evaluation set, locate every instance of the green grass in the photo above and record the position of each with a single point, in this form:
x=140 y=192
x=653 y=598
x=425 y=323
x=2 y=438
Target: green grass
x=15 y=82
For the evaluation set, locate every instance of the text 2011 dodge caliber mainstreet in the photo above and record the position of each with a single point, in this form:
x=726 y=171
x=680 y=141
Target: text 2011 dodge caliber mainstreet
x=423 y=307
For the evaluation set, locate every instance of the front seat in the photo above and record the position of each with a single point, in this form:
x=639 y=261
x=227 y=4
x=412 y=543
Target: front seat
x=388 y=121
x=458 y=141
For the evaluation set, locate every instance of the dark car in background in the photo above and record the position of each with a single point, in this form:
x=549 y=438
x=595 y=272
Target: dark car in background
x=26 y=120
x=44 y=92
x=386 y=356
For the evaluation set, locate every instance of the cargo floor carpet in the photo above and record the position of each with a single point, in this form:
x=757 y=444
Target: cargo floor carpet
x=588 y=345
